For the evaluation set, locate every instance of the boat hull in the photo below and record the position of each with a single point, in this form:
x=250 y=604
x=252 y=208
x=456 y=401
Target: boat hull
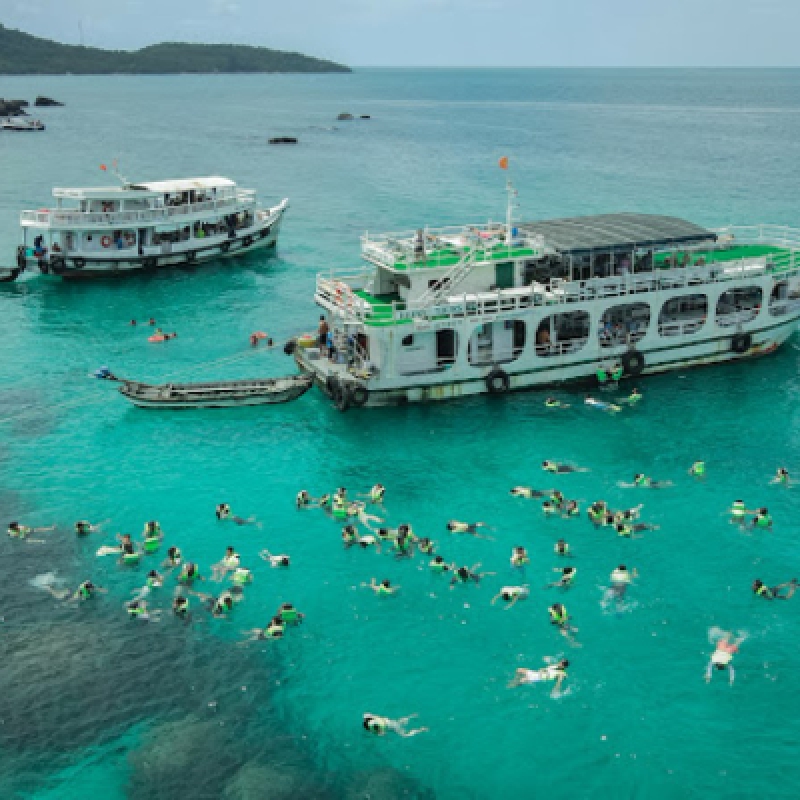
x=261 y=236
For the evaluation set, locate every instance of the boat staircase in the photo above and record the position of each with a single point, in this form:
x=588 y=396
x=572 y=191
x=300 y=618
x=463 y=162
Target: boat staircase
x=443 y=288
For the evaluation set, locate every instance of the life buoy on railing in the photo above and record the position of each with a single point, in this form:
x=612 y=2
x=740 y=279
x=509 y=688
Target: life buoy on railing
x=741 y=343
x=106 y=241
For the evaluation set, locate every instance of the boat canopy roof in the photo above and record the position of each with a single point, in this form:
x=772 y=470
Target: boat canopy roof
x=150 y=188
x=620 y=232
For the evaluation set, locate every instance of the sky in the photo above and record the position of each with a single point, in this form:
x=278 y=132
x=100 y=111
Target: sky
x=441 y=33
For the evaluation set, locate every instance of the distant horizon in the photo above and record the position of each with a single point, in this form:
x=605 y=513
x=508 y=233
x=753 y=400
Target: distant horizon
x=443 y=34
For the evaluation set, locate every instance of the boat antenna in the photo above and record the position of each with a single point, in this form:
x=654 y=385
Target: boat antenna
x=511 y=203
x=115 y=172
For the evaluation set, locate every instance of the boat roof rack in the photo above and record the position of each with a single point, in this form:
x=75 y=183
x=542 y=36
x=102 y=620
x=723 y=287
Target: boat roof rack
x=621 y=232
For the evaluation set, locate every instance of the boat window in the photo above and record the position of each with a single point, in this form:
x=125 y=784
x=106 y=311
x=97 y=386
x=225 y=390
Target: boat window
x=497 y=342
x=446 y=348
x=780 y=300
x=738 y=306
x=562 y=334
x=623 y=324
x=408 y=341
x=681 y=316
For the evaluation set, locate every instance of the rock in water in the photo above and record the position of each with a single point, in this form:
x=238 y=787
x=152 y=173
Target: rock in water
x=41 y=102
x=344 y=115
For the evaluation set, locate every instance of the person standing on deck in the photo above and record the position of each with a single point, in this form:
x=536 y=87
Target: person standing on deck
x=322 y=332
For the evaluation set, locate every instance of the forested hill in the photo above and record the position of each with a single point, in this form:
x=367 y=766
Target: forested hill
x=23 y=54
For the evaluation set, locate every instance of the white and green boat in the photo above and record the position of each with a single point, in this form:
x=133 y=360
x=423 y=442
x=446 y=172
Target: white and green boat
x=441 y=313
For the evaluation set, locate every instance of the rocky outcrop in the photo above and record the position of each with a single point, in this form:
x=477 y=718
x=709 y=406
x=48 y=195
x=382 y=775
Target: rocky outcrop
x=44 y=102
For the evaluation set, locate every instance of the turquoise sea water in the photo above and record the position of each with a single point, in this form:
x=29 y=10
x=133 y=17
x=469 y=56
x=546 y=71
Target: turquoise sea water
x=92 y=704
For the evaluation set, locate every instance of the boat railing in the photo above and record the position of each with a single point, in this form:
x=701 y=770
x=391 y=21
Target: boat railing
x=738 y=317
x=336 y=290
x=681 y=328
x=243 y=199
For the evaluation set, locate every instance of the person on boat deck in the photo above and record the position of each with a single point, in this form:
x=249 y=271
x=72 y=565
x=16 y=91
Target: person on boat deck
x=118 y=240
x=330 y=345
x=322 y=331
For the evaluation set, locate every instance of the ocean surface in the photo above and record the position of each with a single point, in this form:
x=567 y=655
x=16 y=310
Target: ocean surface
x=93 y=704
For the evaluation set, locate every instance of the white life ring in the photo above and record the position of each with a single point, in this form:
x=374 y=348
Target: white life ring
x=106 y=241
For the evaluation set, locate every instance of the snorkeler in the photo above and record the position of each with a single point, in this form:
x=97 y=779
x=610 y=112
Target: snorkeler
x=289 y=615
x=189 y=573
x=725 y=648
x=439 y=565
x=597 y=511
x=782 y=477
x=274 y=630
x=275 y=561
x=629 y=531
x=137 y=609
x=454 y=526
x=762 y=519
x=519 y=558
x=17 y=531
x=528 y=493
x=634 y=397
x=368 y=540
x=698 y=469
x=173 y=558
x=466 y=574
x=403 y=546
x=153 y=581
x=376 y=494
x=511 y=594
x=629 y=515
x=129 y=553
x=180 y=607
x=739 y=512
x=241 y=576
x=230 y=561
x=382 y=725
x=85 y=591
x=382 y=588
x=84 y=528
x=561 y=548
x=621 y=579
x=552 y=402
x=566 y=580
x=426 y=546
x=561 y=469
x=593 y=402
x=349 y=536
x=561 y=619
x=641 y=481
x=553 y=672
x=760 y=589
x=223 y=511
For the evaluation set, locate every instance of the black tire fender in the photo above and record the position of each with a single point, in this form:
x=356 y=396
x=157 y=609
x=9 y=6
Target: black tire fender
x=497 y=381
x=79 y=263
x=359 y=395
x=225 y=246
x=633 y=362
x=741 y=343
x=248 y=240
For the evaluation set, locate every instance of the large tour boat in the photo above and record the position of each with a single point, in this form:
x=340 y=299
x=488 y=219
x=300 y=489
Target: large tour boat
x=145 y=226
x=448 y=312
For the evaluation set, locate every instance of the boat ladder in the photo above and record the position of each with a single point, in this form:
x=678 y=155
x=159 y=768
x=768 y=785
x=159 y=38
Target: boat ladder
x=443 y=287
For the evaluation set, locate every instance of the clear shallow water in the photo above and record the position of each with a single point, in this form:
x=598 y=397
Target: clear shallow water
x=716 y=147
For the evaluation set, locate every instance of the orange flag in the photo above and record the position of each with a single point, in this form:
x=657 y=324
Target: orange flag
x=103 y=167
x=503 y=162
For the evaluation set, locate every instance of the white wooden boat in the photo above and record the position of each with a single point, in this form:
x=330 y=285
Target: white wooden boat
x=21 y=125
x=219 y=394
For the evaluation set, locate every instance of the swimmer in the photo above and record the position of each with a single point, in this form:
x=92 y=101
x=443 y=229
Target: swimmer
x=698 y=469
x=137 y=609
x=403 y=546
x=566 y=580
x=641 y=481
x=274 y=630
x=230 y=561
x=782 y=477
x=726 y=647
x=552 y=402
x=519 y=559
x=128 y=551
x=597 y=511
x=180 y=608
x=84 y=528
x=275 y=561
x=382 y=725
x=439 y=565
x=359 y=510
x=223 y=511
x=85 y=591
x=634 y=397
x=561 y=469
x=382 y=588
x=511 y=594
x=454 y=526
x=762 y=519
x=554 y=672
x=630 y=531
x=628 y=514
x=189 y=573
x=173 y=558
x=528 y=493
x=369 y=540
x=17 y=531
x=375 y=494
x=467 y=574
x=561 y=619
x=600 y=405
x=289 y=615
x=153 y=581
x=305 y=500
x=248 y=521
x=561 y=548
x=152 y=529
x=621 y=579
x=241 y=576
x=760 y=589
x=570 y=509
x=426 y=546
x=220 y=606
x=349 y=536
x=739 y=512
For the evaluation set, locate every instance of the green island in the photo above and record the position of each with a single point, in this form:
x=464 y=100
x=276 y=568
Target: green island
x=24 y=54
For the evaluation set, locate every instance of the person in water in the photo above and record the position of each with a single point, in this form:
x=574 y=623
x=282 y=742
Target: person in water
x=275 y=561
x=173 y=558
x=380 y=726
x=561 y=619
x=519 y=559
x=511 y=595
x=642 y=481
x=84 y=528
x=725 y=649
x=782 y=477
x=223 y=511
x=464 y=575
x=553 y=672
x=230 y=561
x=180 y=608
x=739 y=512
x=274 y=630
x=621 y=579
x=567 y=579
x=86 y=591
x=438 y=565
x=762 y=519
x=454 y=526
x=18 y=531
x=698 y=469
x=138 y=610
x=154 y=580
x=529 y=493
x=382 y=588
x=593 y=402
x=634 y=397
x=783 y=591
x=552 y=402
x=289 y=615
x=561 y=469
